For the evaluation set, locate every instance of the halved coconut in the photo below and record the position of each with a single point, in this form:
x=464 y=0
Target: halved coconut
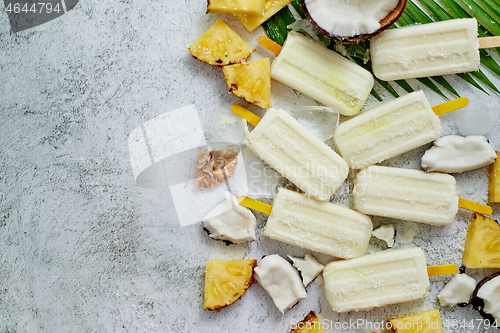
x=352 y=21
x=485 y=298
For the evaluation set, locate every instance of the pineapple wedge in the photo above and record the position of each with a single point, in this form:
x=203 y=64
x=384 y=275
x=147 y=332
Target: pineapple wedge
x=220 y=46
x=247 y=7
x=226 y=281
x=482 y=247
x=310 y=324
x=425 y=322
x=271 y=7
x=494 y=186
x=251 y=81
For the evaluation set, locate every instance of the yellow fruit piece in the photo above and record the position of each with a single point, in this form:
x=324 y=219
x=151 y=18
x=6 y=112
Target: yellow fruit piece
x=482 y=247
x=246 y=7
x=494 y=186
x=251 y=81
x=310 y=324
x=226 y=281
x=220 y=45
x=271 y=7
x=425 y=322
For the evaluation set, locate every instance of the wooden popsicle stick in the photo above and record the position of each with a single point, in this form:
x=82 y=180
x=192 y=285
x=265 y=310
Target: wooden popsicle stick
x=489 y=42
x=255 y=204
x=245 y=114
x=450 y=106
x=269 y=44
x=475 y=207
x=442 y=270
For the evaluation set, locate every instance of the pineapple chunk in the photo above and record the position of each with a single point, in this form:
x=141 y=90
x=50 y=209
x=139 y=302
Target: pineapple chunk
x=482 y=247
x=251 y=81
x=247 y=7
x=271 y=7
x=310 y=324
x=425 y=322
x=494 y=186
x=226 y=281
x=220 y=45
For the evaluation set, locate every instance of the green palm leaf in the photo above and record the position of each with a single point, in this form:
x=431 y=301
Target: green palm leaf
x=487 y=12
x=491 y=23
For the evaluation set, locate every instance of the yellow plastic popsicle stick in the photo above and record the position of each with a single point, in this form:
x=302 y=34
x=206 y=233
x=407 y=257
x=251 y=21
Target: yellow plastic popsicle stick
x=489 y=42
x=475 y=207
x=450 y=106
x=255 y=204
x=442 y=270
x=269 y=44
x=245 y=114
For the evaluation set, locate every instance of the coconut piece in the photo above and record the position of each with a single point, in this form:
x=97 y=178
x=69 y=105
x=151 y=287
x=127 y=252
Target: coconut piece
x=281 y=281
x=486 y=297
x=457 y=291
x=352 y=21
x=457 y=154
x=230 y=221
x=386 y=233
x=308 y=267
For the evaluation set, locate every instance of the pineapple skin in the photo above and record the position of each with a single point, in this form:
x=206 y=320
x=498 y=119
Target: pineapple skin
x=482 y=247
x=217 y=293
x=425 y=322
x=494 y=183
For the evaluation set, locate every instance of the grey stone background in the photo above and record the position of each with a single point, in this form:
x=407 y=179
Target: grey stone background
x=82 y=249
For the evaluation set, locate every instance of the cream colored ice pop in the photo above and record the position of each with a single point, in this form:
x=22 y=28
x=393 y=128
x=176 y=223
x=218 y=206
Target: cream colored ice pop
x=391 y=129
x=410 y=195
x=438 y=48
x=288 y=147
x=382 y=278
x=322 y=74
x=314 y=225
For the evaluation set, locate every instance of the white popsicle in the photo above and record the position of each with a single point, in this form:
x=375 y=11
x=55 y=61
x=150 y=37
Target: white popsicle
x=378 y=279
x=410 y=195
x=322 y=74
x=439 y=48
x=388 y=130
x=288 y=147
x=318 y=226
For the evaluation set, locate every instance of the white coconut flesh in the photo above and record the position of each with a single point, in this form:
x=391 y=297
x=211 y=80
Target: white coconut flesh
x=490 y=293
x=349 y=17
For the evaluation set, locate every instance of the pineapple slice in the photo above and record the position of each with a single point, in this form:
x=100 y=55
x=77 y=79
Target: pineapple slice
x=425 y=322
x=247 y=7
x=310 y=324
x=482 y=247
x=271 y=7
x=226 y=281
x=220 y=45
x=251 y=81
x=494 y=186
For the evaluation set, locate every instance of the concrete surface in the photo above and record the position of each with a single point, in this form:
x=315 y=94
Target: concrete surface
x=82 y=248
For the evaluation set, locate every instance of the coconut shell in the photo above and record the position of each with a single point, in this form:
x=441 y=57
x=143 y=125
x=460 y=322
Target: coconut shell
x=386 y=22
x=478 y=303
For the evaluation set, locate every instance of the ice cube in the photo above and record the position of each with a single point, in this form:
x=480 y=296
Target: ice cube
x=262 y=181
x=226 y=126
x=474 y=119
x=320 y=120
